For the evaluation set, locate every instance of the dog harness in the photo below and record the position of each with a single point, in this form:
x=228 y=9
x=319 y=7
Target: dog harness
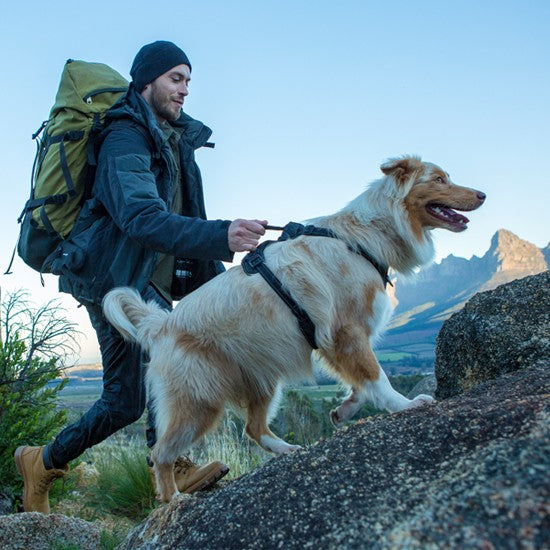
x=254 y=262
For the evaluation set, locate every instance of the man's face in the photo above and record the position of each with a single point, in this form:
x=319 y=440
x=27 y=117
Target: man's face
x=166 y=94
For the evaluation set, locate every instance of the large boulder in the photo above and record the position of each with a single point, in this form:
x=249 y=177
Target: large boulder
x=36 y=531
x=468 y=472
x=496 y=332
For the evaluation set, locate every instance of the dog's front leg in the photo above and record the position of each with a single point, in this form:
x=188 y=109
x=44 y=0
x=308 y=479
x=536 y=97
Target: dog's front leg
x=382 y=395
x=353 y=402
x=353 y=359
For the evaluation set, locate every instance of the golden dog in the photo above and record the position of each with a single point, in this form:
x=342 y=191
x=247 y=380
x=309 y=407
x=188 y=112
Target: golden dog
x=234 y=340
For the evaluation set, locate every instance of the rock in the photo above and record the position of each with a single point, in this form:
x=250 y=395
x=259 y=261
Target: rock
x=36 y=531
x=496 y=332
x=468 y=472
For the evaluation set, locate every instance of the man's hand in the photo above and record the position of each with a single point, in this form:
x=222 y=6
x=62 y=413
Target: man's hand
x=243 y=235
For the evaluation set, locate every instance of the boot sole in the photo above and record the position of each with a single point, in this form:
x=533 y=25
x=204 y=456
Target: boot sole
x=208 y=482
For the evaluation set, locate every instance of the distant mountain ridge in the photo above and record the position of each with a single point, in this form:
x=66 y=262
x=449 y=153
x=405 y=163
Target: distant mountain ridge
x=423 y=303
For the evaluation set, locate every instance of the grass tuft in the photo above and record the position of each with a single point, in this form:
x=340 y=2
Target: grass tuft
x=123 y=483
x=229 y=445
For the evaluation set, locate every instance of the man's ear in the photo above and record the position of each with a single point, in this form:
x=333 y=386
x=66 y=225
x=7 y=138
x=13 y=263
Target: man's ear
x=401 y=169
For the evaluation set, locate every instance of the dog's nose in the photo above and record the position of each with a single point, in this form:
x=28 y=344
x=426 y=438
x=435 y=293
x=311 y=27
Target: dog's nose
x=481 y=196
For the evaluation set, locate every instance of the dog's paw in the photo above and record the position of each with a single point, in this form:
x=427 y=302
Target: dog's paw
x=166 y=497
x=290 y=449
x=337 y=422
x=420 y=401
x=277 y=446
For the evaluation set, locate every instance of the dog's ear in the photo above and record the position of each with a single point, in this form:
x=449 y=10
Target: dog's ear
x=401 y=169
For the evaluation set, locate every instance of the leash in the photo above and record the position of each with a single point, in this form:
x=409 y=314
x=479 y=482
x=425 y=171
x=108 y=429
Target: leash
x=254 y=262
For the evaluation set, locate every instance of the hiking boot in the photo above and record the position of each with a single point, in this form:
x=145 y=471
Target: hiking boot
x=190 y=477
x=36 y=478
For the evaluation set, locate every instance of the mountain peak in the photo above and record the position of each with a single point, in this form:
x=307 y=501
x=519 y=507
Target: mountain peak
x=504 y=239
x=515 y=255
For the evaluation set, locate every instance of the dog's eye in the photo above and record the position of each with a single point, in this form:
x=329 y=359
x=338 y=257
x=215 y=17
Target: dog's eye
x=439 y=179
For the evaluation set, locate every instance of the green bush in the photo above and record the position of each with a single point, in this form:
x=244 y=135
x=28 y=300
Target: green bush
x=29 y=369
x=299 y=421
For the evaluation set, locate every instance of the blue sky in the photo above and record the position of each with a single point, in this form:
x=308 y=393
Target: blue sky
x=307 y=99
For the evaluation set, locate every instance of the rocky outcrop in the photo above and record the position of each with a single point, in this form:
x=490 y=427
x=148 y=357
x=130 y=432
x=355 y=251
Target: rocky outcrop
x=496 y=332
x=36 y=531
x=468 y=472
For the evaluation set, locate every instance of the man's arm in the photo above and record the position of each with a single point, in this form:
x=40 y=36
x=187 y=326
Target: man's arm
x=127 y=188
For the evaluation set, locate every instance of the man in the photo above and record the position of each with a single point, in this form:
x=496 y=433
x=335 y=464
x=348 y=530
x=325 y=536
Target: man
x=144 y=226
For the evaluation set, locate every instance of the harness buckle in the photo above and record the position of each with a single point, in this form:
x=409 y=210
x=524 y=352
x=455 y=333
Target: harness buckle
x=251 y=262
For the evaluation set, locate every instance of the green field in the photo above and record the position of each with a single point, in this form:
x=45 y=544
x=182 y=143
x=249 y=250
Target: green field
x=393 y=356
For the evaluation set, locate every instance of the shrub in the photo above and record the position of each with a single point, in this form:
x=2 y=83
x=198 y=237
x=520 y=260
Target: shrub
x=30 y=370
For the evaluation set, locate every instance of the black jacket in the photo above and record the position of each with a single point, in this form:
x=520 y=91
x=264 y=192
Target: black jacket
x=127 y=221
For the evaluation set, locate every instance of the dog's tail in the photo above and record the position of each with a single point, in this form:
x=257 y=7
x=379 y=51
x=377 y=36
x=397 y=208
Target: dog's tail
x=136 y=320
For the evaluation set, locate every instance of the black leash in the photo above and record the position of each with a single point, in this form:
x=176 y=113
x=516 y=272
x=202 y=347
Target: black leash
x=254 y=262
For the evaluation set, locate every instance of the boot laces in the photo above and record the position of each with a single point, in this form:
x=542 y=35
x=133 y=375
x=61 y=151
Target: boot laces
x=182 y=464
x=47 y=479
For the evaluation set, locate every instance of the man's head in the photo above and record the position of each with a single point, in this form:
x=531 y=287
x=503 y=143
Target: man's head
x=161 y=73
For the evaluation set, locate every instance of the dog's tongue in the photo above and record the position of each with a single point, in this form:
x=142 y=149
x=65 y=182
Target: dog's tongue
x=448 y=214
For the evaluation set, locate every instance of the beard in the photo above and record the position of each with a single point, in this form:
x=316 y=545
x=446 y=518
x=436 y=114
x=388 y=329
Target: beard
x=163 y=105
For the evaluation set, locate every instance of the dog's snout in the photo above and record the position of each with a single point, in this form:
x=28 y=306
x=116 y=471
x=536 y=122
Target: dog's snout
x=481 y=196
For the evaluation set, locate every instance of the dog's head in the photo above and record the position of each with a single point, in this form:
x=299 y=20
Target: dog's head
x=429 y=196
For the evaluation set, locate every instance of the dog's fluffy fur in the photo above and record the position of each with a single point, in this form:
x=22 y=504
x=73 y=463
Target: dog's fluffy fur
x=234 y=340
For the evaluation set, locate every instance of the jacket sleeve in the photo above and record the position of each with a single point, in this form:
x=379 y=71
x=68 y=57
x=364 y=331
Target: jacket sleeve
x=127 y=188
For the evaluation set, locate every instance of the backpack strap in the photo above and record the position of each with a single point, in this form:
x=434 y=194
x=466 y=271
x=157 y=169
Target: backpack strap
x=72 y=135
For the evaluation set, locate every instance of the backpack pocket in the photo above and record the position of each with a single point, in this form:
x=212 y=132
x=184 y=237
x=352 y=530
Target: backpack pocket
x=35 y=244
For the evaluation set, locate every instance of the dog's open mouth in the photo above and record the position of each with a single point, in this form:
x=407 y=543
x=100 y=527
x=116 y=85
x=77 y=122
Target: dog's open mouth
x=447 y=215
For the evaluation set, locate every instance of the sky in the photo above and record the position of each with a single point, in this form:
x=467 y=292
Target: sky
x=306 y=99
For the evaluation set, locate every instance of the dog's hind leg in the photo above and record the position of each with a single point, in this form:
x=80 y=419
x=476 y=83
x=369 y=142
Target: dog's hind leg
x=353 y=359
x=180 y=422
x=257 y=429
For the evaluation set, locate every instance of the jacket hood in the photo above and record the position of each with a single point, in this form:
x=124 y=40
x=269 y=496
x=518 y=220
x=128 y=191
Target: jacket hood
x=132 y=105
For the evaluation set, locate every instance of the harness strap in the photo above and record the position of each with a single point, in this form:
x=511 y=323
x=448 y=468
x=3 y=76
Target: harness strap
x=293 y=230
x=254 y=262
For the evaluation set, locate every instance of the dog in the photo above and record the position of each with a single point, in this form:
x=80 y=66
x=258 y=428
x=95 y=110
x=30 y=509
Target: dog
x=234 y=340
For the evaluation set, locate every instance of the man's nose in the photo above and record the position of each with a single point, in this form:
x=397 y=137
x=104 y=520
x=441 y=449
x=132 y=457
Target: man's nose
x=184 y=90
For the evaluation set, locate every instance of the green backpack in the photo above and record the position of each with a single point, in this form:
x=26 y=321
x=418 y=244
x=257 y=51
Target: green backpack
x=64 y=166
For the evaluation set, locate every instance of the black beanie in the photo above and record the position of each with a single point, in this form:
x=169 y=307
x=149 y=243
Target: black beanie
x=156 y=59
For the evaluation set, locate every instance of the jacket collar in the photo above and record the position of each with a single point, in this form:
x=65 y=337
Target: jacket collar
x=132 y=105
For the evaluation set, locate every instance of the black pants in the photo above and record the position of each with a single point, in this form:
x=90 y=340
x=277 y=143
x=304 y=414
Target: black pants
x=123 y=398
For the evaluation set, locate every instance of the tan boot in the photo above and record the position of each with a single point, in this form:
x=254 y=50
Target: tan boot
x=36 y=478
x=191 y=478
